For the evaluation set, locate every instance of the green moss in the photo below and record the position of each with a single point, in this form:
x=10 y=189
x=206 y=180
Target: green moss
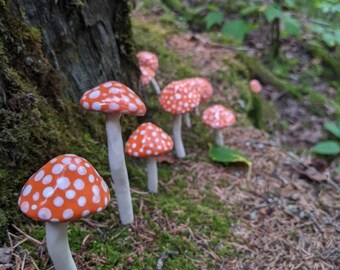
x=297 y=91
x=256 y=111
x=319 y=51
x=266 y=75
x=78 y=3
x=222 y=39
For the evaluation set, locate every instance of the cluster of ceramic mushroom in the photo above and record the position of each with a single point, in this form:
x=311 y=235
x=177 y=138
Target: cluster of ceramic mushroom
x=68 y=187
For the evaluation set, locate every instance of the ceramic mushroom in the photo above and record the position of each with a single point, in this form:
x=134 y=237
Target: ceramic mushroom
x=146 y=75
x=66 y=188
x=149 y=141
x=218 y=117
x=177 y=99
x=204 y=87
x=115 y=99
x=150 y=60
x=255 y=86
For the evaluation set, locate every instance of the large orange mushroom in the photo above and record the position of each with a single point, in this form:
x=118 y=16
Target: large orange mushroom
x=177 y=99
x=115 y=99
x=66 y=188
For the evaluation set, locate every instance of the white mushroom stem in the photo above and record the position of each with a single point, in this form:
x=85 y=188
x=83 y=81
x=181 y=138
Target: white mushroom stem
x=118 y=168
x=58 y=247
x=155 y=86
x=219 y=137
x=176 y=131
x=151 y=165
x=197 y=111
x=187 y=120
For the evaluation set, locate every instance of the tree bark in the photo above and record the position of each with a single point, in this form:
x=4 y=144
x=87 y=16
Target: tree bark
x=50 y=53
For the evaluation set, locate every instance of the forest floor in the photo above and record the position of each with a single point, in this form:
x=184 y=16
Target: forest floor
x=286 y=215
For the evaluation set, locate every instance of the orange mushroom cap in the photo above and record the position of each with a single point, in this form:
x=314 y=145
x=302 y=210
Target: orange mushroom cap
x=218 y=117
x=255 y=86
x=178 y=98
x=113 y=96
x=148 y=59
x=203 y=86
x=146 y=74
x=66 y=188
x=148 y=140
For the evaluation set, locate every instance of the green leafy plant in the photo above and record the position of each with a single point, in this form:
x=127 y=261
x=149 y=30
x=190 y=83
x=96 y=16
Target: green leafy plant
x=213 y=18
x=237 y=29
x=329 y=147
x=272 y=12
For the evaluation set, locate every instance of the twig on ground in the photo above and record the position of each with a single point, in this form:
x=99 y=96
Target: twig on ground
x=35 y=241
x=164 y=256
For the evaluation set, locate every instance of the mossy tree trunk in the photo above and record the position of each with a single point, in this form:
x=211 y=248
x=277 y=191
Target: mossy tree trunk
x=50 y=53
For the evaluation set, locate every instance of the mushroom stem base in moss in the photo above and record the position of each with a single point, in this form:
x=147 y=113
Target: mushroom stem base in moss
x=118 y=168
x=151 y=165
x=58 y=247
x=177 y=133
x=187 y=120
x=219 y=140
x=155 y=86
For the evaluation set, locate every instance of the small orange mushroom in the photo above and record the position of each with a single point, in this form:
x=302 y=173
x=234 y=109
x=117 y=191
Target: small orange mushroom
x=218 y=117
x=149 y=141
x=177 y=99
x=146 y=75
x=255 y=86
x=149 y=60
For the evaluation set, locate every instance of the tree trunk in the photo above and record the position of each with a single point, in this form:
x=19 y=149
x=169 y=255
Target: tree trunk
x=50 y=53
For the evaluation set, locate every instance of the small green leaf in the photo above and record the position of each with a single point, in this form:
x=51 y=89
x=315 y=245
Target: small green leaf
x=292 y=26
x=197 y=10
x=249 y=10
x=225 y=154
x=318 y=28
x=337 y=36
x=211 y=7
x=290 y=3
x=333 y=128
x=329 y=39
x=272 y=12
x=327 y=148
x=237 y=29
x=213 y=18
